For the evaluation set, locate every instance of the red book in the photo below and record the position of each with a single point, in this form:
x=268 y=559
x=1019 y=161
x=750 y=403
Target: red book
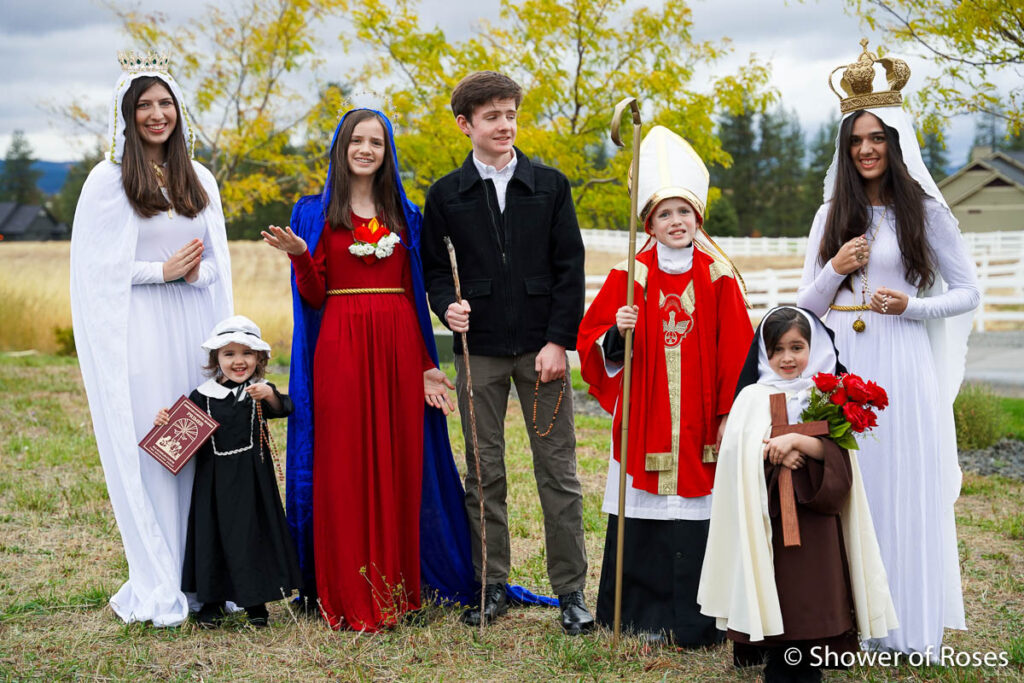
x=174 y=444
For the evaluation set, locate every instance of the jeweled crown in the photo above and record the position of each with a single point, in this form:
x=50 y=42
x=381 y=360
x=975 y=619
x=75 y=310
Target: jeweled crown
x=858 y=82
x=135 y=62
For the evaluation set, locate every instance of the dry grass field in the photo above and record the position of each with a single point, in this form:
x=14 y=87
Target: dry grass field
x=34 y=299
x=61 y=559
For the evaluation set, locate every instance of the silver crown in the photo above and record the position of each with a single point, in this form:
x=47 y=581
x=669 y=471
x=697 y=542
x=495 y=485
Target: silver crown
x=136 y=62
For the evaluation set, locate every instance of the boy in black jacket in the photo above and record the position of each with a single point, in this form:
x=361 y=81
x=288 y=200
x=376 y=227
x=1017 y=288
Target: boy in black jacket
x=520 y=260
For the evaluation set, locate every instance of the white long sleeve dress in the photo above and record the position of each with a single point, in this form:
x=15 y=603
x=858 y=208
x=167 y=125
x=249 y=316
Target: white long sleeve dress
x=139 y=345
x=909 y=462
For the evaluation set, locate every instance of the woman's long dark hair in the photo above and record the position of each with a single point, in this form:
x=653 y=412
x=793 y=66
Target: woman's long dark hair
x=385 y=188
x=848 y=214
x=185 y=192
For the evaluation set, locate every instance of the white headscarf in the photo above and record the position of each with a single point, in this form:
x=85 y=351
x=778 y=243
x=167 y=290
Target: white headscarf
x=822 y=358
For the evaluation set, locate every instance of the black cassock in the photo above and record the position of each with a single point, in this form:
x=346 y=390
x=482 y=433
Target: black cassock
x=238 y=546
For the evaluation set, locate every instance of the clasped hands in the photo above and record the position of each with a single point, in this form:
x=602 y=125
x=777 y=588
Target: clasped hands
x=184 y=263
x=781 y=450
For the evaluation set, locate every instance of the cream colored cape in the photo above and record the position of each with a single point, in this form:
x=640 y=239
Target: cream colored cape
x=737 y=584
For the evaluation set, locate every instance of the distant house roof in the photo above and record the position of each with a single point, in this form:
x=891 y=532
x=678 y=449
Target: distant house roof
x=999 y=167
x=16 y=219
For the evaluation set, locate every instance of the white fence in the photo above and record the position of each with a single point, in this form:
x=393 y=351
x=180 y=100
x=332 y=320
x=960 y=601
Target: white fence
x=980 y=243
x=999 y=257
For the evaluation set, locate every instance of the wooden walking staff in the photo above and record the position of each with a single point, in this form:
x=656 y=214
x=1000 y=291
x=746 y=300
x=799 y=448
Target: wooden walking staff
x=472 y=431
x=787 y=499
x=620 y=108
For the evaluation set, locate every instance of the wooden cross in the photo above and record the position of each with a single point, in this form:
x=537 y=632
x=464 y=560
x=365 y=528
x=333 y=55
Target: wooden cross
x=787 y=500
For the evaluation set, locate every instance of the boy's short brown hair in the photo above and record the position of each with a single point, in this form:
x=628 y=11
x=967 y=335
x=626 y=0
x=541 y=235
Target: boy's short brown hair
x=481 y=87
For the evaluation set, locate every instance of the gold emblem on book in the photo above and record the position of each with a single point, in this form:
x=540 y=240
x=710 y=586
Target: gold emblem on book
x=184 y=433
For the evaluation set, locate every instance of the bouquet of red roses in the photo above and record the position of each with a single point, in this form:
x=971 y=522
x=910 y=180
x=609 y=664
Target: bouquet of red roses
x=847 y=403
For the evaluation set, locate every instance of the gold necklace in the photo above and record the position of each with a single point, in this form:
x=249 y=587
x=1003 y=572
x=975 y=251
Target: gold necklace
x=160 y=181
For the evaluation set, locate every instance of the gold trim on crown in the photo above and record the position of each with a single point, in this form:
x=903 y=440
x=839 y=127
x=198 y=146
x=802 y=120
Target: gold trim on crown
x=858 y=82
x=137 y=62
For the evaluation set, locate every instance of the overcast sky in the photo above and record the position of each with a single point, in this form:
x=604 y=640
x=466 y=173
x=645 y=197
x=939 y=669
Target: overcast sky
x=55 y=50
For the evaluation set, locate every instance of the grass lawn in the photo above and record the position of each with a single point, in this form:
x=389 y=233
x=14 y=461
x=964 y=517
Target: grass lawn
x=61 y=559
x=1013 y=412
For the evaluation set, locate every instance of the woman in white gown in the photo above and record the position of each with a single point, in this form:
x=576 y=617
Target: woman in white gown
x=150 y=277
x=887 y=263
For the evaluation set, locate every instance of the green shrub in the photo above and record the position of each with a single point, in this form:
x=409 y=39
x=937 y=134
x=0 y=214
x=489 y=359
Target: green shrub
x=980 y=421
x=65 y=337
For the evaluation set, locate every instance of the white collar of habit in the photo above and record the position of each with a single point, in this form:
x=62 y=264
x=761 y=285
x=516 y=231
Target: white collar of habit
x=214 y=389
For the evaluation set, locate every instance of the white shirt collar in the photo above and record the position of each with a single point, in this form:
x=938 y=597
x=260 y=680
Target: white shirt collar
x=674 y=261
x=487 y=171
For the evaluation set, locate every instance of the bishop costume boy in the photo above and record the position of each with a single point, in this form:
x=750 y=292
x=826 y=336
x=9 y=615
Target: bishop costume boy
x=691 y=335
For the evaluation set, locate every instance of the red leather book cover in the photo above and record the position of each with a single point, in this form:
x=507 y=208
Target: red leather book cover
x=174 y=444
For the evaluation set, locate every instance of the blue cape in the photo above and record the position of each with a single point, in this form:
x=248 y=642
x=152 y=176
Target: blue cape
x=445 y=563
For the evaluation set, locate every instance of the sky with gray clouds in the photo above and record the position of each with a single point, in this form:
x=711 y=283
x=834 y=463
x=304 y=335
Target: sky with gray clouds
x=56 y=50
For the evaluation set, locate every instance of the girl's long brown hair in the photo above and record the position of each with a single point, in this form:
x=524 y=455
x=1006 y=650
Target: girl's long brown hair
x=185 y=192
x=385 y=188
x=848 y=213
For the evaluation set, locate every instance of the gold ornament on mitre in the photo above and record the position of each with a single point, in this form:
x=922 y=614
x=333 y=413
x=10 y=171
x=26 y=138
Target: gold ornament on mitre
x=141 y=62
x=858 y=82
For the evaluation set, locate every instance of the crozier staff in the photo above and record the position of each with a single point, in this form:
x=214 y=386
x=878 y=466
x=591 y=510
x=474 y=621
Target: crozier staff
x=887 y=263
x=150 y=276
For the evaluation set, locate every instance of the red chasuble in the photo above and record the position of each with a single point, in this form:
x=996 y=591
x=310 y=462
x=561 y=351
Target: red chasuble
x=691 y=339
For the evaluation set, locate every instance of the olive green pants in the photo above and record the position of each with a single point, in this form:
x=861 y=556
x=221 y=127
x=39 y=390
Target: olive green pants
x=554 y=467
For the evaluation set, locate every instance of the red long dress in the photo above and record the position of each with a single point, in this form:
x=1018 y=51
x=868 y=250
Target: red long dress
x=368 y=444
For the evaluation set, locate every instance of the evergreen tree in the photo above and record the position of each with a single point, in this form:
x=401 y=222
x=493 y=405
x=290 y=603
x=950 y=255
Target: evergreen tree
x=934 y=153
x=781 y=209
x=18 y=179
x=736 y=131
x=63 y=204
x=721 y=218
x=822 y=151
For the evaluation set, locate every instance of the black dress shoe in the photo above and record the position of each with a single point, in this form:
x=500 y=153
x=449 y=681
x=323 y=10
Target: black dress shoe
x=257 y=615
x=575 y=617
x=210 y=615
x=495 y=605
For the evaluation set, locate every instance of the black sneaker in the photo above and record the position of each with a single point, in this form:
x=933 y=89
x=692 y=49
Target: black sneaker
x=495 y=605
x=575 y=617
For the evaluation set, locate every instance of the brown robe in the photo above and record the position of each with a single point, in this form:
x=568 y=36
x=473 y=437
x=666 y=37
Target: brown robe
x=812 y=579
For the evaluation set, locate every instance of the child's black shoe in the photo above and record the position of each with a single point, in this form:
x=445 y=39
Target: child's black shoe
x=210 y=615
x=257 y=615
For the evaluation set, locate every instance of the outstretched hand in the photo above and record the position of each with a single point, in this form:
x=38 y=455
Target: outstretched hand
x=284 y=239
x=435 y=390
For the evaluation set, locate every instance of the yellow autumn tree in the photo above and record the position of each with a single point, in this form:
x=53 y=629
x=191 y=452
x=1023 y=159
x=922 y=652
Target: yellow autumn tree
x=575 y=59
x=975 y=43
x=238 y=66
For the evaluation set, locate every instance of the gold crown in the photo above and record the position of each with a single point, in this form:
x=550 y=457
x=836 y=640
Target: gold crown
x=135 y=62
x=858 y=82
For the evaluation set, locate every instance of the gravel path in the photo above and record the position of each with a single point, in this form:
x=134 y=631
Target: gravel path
x=1005 y=457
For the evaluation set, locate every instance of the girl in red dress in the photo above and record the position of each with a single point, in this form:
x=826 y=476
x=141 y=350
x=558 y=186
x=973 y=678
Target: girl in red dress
x=367 y=465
